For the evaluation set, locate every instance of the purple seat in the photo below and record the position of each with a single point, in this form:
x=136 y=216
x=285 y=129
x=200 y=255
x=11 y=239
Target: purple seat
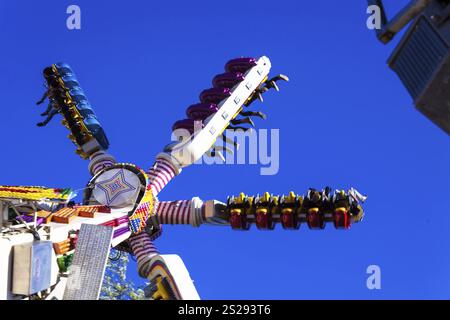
x=240 y=65
x=227 y=80
x=201 y=111
x=214 y=95
x=187 y=124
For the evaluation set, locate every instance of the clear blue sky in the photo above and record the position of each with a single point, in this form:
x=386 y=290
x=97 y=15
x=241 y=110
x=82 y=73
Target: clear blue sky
x=344 y=119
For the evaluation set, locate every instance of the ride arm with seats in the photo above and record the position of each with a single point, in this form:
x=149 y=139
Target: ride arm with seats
x=315 y=208
x=221 y=107
x=66 y=97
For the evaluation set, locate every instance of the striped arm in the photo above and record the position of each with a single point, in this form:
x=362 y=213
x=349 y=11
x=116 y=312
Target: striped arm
x=100 y=160
x=144 y=250
x=181 y=212
x=162 y=172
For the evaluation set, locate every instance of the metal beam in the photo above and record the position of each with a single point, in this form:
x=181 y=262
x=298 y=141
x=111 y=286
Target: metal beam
x=391 y=28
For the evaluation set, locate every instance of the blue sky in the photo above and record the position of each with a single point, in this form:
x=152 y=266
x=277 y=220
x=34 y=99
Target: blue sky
x=344 y=118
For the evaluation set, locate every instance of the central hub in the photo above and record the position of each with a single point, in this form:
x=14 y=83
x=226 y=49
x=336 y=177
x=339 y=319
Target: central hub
x=117 y=188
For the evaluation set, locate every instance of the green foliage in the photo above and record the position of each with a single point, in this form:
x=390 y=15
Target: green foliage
x=64 y=262
x=115 y=285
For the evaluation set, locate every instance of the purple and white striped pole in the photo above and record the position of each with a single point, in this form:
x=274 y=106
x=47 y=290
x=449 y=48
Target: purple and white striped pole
x=181 y=212
x=144 y=250
x=162 y=172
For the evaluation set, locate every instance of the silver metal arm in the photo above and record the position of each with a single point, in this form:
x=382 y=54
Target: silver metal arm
x=391 y=28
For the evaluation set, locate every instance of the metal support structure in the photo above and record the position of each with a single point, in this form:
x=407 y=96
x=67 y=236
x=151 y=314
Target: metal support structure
x=422 y=57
